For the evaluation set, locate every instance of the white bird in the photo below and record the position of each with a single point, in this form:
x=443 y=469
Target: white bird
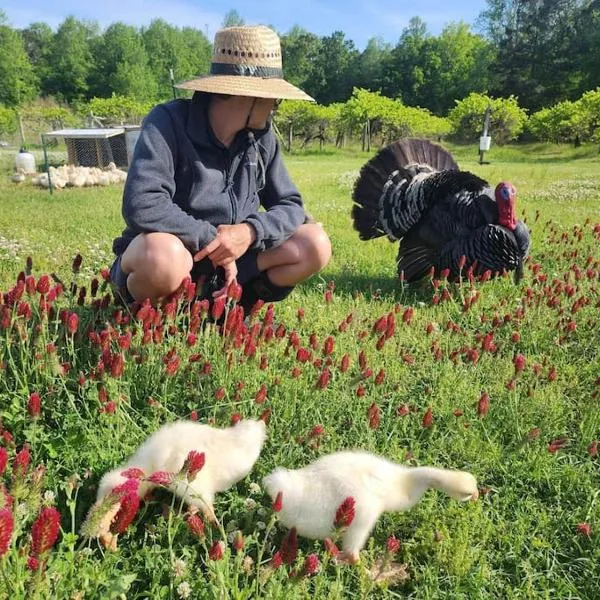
x=229 y=454
x=19 y=176
x=312 y=495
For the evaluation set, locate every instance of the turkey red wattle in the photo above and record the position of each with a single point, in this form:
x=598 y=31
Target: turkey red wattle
x=506 y=198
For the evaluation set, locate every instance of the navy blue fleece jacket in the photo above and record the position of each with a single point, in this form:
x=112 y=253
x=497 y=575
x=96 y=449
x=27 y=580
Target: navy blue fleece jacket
x=183 y=181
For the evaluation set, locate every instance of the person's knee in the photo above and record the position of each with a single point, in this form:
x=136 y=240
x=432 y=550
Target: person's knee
x=318 y=246
x=159 y=257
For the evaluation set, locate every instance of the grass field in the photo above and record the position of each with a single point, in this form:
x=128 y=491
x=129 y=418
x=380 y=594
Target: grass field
x=534 y=349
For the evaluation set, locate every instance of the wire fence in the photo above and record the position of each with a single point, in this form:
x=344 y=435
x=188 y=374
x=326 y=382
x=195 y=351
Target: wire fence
x=84 y=153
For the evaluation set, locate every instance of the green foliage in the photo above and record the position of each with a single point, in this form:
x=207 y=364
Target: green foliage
x=118 y=109
x=49 y=113
x=18 y=82
x=71 y=60
x=519 y=540
x=563 y=122
x=388 y=119
x=506 y=123
x=37 y=39
x=331 y=71
x=306 y=121
x=543 y=49
x=568 y=121
x=8 y=120
x=300 y=50
x=391 y=119
x=122 y=64
x=232 y=19
x=433 y=72
x=540 y=52
x=590 y=105
x=185 y=51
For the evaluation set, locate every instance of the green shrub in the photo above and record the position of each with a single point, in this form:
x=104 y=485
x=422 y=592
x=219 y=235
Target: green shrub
x=118 y=110
x=8 y=120
x=507 y=119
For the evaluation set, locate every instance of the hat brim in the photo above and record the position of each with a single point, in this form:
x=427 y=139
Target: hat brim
x=237 y=85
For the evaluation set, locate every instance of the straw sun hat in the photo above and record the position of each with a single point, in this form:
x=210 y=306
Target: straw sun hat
x=246 y=61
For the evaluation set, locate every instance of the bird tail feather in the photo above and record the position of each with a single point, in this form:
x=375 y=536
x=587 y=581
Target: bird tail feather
x=415 y=259
x=398 y=162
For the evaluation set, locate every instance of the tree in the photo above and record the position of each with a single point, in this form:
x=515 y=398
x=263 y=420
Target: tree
x=465 y=64
x=506 y=123
x=232 y=19
x=38 y=44
x=187 y=51
x=537 y=55
x=408 y=65
x=368 y=67
x=331 y=74
x=433 y=72
x=70 y=59
x=16 y=71
x=588 y=44
x=299 y=50
x=122 y=65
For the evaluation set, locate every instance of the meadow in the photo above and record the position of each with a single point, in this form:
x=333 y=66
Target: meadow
x=498 y=379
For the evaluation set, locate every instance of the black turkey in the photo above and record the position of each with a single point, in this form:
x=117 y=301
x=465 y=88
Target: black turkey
x=445 y=218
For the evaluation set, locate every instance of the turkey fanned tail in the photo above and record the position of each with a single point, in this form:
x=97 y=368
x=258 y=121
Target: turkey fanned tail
x=401 y=182
x=394 y=165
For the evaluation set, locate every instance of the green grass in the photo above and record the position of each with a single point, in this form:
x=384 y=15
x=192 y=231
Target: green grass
x=519 y=541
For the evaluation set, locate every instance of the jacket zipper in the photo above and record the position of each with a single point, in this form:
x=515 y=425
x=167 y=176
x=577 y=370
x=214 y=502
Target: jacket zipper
x=229 y=187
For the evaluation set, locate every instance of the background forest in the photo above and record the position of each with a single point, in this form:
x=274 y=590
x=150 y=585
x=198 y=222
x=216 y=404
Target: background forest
x=541 y=57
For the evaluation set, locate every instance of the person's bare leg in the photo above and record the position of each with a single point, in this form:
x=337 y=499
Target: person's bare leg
x=156 y=263
x=299 y=257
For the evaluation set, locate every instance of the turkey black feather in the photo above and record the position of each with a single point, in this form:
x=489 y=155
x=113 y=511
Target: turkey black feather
x=413 y=191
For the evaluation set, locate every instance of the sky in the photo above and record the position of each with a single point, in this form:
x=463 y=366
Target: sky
x=360 y=20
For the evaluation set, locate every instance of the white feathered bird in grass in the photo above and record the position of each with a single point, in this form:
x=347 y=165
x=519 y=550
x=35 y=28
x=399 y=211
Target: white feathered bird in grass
x=312 y=495
x=229 y=455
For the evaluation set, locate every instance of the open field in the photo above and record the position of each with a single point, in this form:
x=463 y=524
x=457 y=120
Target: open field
x=534 y=349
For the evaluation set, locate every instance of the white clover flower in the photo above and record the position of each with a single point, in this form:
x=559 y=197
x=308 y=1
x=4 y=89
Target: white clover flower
x=184 y=589
x=247 y=564
x=262 y=511
x=49 y=496
x=254 y=488
x=260 y=525
x=250 y=504
x=178 y=567
x=231 y=536
x=22 y=510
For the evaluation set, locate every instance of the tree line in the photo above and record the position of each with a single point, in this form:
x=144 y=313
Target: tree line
x=542 y=52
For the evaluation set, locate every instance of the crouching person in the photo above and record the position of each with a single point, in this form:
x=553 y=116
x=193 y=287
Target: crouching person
x=201 y=170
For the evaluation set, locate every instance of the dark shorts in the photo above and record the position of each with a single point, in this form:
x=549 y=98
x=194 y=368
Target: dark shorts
x=201 y=271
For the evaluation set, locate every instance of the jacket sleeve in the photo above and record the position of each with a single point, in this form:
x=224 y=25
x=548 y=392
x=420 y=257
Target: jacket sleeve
x=150 y=187
x=284 y=208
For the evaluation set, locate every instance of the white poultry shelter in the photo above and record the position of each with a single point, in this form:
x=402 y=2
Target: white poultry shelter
x=98 y=147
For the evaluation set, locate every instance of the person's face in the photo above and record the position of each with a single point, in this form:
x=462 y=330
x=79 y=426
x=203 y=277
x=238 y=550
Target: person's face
x=261 y=109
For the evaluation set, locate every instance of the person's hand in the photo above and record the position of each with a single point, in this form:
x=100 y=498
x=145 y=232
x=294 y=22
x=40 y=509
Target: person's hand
x=231 y=242
x=230 y=276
